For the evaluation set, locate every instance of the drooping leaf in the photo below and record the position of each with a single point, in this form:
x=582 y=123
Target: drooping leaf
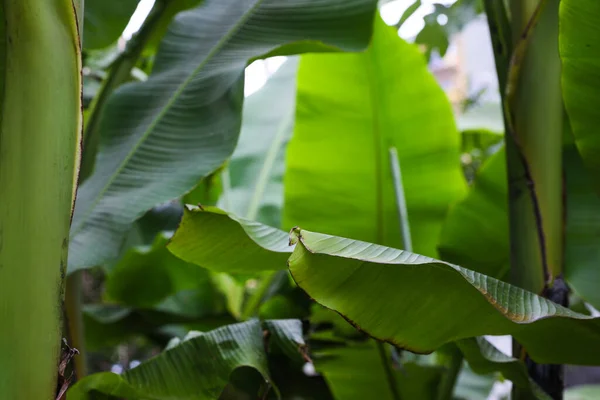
x=257 y=165
x=367 y=283
x=161 y=136
x=579 y=41
x=105 y=21
x=338 y=175
x=475 y=233
x=198 y=367
x=225 y=243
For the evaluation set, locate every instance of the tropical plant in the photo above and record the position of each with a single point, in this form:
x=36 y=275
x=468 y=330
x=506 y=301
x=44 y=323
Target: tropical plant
x=232 y=247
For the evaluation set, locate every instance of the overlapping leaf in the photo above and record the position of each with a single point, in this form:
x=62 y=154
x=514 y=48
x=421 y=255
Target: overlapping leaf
x=105 y=21
x=199 y=367
x=338 y=174
x=161 y=136
x=413 y=301
x=208 y=236
x=374 y=287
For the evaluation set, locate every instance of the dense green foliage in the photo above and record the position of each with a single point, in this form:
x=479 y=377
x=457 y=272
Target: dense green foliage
x=225 y=246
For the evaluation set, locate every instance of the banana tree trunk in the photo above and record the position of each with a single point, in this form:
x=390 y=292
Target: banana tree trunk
x=534 y=163
x=40 y=129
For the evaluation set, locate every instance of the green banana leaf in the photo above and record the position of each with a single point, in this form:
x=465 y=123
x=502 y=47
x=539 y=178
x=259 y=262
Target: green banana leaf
x=105 y=20
x=412 y=301
x=351 y=109
x=206 y=236
x=579 y=44
x=419 y=303
x=161 y=136
x=257 y=166
x=475 y=233
x=197 y=367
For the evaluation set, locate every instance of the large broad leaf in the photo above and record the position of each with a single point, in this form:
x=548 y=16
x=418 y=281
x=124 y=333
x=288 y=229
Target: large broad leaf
x=225 y=243
x=105 y=21
x=257 y=165
x=419 y=303
x=412 y=301
x=338 y=176
x=161 y=136
x=199 y=367
x=580 y=54
x=475 y=234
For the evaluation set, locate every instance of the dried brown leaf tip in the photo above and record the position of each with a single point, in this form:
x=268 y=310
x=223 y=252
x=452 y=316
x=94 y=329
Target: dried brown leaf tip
x=63 y=382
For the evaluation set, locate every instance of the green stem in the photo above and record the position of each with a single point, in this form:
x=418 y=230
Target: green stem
x=120 y=72
x=533 y=119
x=400 y=200
x=74 y=322
x=453 y=368
x=389 y=372
x=40 y=131
x=252 y=305
x=267 y=167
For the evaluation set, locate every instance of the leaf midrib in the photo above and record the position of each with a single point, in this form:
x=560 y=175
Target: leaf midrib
x=214 y=50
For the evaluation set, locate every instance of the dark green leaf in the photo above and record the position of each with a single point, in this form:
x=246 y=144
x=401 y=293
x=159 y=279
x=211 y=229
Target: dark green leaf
x=367 y=283
x=199 y=367
x=161 y=136
x=105 y=21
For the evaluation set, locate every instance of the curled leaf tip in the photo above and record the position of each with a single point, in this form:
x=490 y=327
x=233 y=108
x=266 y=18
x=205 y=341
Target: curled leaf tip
x=295 y=235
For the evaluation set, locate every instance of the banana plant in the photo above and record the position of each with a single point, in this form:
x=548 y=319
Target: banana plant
x=41 y=125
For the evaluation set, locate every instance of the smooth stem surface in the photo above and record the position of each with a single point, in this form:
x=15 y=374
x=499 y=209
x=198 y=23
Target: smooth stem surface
x=534 y=110
x=40 y=130
x=389 y=371
x=453 y=363
x=74 y=322
x=120 y=72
